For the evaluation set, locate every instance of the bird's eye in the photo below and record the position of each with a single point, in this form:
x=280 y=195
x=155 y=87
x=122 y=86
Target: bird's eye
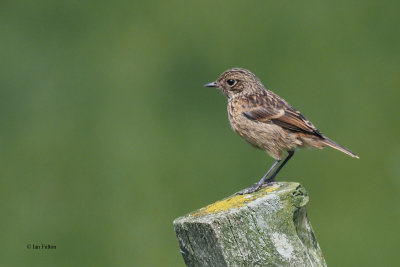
x=230 y=82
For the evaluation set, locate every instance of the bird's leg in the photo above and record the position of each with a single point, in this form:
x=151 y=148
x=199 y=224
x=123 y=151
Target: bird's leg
x=258 y=185
x=271 y=178
x=264 y=180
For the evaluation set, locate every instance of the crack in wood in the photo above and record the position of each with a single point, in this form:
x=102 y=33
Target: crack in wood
x=234 y=238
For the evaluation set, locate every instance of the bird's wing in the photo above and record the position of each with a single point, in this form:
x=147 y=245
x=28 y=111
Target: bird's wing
x=280 y=113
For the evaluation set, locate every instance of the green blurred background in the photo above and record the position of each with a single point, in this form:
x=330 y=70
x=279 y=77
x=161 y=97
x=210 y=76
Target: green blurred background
x=107 y=134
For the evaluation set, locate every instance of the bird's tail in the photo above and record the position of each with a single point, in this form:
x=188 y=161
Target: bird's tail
x=335 y=145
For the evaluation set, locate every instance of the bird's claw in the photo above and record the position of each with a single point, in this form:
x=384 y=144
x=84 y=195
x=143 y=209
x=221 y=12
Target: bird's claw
x=250 y=190
x=255 y=187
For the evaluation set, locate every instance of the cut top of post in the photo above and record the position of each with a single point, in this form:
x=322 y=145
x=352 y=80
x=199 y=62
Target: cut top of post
x=266 y=228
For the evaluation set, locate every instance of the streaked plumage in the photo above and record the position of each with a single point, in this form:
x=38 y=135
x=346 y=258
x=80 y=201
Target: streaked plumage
x=267 y=121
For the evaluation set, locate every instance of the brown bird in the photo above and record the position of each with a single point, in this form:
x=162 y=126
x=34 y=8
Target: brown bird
x=267 y=121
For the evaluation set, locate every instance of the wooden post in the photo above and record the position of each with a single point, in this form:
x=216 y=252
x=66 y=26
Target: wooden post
x=267 y=228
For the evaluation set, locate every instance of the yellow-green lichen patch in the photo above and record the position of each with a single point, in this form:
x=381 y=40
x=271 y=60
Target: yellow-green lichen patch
x=233 y=202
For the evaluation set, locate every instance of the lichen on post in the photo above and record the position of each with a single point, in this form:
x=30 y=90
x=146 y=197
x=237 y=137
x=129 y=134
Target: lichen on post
x=266 y=228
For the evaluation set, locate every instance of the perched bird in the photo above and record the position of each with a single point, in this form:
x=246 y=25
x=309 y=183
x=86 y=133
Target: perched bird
x=267 y=121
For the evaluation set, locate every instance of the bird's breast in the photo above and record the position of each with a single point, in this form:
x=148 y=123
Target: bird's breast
x=263 y=135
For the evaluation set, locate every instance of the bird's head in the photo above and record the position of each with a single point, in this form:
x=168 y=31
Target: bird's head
x=236 y=82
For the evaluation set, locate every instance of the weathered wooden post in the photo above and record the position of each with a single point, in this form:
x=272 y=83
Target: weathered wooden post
x=267 y=228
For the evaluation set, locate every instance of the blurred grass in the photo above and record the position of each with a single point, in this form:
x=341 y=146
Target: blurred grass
x=107 y=134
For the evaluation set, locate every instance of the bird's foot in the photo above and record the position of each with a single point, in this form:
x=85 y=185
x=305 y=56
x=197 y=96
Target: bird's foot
x=249 y=190
x=269 y=182
x=256 y=187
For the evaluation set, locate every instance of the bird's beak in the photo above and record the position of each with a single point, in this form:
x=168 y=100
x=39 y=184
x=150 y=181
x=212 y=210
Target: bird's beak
x=213 y=84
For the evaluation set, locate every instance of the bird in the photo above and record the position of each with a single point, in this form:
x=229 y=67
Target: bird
x=268 y=122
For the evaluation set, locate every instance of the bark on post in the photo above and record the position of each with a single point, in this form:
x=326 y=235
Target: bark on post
x=267 y=228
